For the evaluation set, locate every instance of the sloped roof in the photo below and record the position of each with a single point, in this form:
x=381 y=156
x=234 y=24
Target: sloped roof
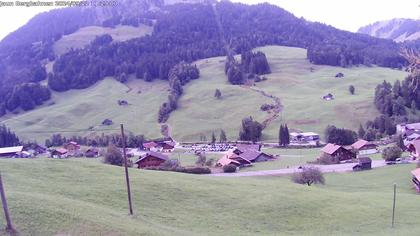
x=415 y=126
x=226 y=161
x=360 y=143
x=150 y=145
x=416 y=145
x=330 y=148
x=7 y=150
x=153 y=154
x=250 y=155
x=416 y=173
x=61 y=150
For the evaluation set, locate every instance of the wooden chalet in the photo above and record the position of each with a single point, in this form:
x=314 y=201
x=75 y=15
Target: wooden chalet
x=92 y=152
x=224 y=161
x=233 y=158
x=414 y=149
x=253 y=155
x=150 y=146
x=10 y=151
x=416 y=179
x=365 y=163
x=338 y=151
x=59 y=153
x=151 y=159
x=167 y=146
x=72 y=147
x=364 y=147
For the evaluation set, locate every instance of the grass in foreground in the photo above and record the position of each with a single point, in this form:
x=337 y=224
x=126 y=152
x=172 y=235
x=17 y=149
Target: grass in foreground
x=85 y=197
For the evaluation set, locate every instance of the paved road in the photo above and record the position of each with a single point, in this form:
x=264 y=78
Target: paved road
x=323 y=168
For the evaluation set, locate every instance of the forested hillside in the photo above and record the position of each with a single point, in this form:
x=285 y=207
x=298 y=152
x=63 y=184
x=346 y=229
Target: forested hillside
x=182 y=32
x=397 y=29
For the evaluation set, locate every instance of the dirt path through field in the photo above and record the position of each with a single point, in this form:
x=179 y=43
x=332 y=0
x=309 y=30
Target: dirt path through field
x=273 y=113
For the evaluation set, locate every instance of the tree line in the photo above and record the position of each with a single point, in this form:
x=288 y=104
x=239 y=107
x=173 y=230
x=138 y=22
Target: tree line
x=251 y=66
x=132 y=141
x=7 y=137
x=179 y=75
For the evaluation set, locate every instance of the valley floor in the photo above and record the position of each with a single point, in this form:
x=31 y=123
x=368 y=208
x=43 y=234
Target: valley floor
x=86 y=197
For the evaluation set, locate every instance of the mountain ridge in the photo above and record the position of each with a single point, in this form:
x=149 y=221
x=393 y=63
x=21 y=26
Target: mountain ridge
x=397 y=29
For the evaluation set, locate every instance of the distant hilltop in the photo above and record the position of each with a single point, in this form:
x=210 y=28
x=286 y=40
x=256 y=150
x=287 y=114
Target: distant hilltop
x=398 y=29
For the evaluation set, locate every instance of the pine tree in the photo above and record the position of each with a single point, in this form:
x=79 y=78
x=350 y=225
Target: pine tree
x=281 y=135
x=351 y=89
x=213 y=138
x=361 y=132
x=217 y=94
x=286 y=135
x=222 y=138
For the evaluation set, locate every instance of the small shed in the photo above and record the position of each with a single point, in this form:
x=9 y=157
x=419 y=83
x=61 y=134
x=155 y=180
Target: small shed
x=59 y=153
x=414 y=149
x=339 y=75
x=328 y=97
x=92 y=152
x=151 y=159
x=365 y=163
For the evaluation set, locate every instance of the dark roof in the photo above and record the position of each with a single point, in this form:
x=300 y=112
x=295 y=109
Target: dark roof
x=153 y=154
x=250 y=155
x=150 y=144
x=364 y=160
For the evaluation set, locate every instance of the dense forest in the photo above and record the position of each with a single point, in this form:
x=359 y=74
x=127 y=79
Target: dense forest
x=132 y=141
x=251 y=66
x=397 y=103
x=182 y=32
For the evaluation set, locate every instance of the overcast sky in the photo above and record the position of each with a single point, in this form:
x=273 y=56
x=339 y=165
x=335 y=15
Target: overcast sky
x=342 y=14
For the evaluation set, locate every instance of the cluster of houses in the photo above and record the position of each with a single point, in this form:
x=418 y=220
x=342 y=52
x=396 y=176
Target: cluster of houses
x=160 y=146
x=216 y=147
x=360 y=149
x=411 y=137
x=244 y=155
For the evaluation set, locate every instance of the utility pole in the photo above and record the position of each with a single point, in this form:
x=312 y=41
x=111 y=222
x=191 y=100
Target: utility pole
x=393 y=206
x=127 y=178
x=9 y=226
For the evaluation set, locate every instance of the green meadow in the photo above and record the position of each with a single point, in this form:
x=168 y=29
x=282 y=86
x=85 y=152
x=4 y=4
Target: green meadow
x=86 y=197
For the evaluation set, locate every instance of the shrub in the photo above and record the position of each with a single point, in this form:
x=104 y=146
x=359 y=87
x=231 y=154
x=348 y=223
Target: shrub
x=210 y=162
x=197 y=170
x=113 y=156
x=266 y=107
x=391 y=153
x=308 y=176
x=170 y=164
x=229 y=168
x=201 y=159
x=328 y=160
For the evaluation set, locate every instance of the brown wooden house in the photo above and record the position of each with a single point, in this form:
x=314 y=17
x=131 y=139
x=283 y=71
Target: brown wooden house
x=72 y=147
x=151 y=159
x=416 y=179
x=167 y=146
x=338 y=152
x=364 y=147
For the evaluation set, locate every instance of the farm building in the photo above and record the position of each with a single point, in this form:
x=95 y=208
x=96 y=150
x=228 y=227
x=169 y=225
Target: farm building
x=10 y=151
x=337 y=151
x=304 y=137
x=365 y=163
x=238 y=160
x=35 y=149
x=151 y=159
x=150 y=146
x=364 y=147
x=59 y=153
x=92 y=152
x=414 y=149
x=167 y=146
x=72 y=147
x=416 y=179
x=252 y=155
x=408 y=129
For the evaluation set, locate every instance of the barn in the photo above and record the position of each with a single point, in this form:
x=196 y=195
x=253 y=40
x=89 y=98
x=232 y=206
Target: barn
x=338 y=151
x=365 y=163
x=10 y=151
x=151 y=159
x=72 y=147
x=364 y=147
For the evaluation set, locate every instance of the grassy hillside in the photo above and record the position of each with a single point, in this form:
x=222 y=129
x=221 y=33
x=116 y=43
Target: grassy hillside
x=300 y=91
x=199 y=113
x=85 y=197
x=85 y=35
x=81 y=109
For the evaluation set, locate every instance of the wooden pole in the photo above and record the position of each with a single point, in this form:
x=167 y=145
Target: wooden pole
x=9 y=226
x=393 y=206
x=127 y=178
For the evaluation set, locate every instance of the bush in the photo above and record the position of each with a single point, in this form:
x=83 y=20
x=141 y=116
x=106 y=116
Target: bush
x=229 y=168
x=210 y=162
x=197 y=170
x=328 y=160
x=170 y=164
x=113 y=156
x=391 y=153
x=309 y=176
